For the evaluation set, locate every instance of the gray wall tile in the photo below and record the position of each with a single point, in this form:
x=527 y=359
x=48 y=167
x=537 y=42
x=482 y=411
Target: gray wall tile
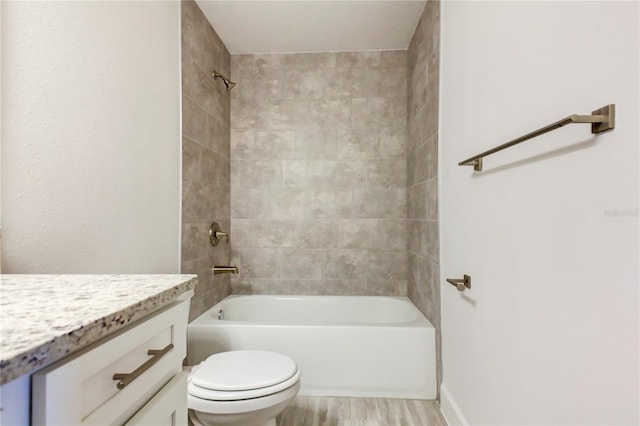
x=346 y=264
x=314 y=60
x=250 y=286
x=218 y=133
x=431 y=186
x=302 y=263
x=205 y=156
x=390 y=265
x=378 y=112
x=246 y=201
x=305 y=83
x=258 y=262
x=303 y=173
x=360 y=233
x=380 y=203
x=330 y=203
x=313 y=233
x=263 y=233
x=417 y=201
x=190 y=160
x=341 y=84
x=255 y=173
x=339 y=192
x=214 y=169
x=344 y=174
x=387 y=173
x=262 y=144
x=316 y=143
x=294 y=287
x=329 y=287
x=423 y=57
x=194 y=121
x=286 y=203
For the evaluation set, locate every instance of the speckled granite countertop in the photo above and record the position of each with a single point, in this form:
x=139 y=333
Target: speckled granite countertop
x=43 y=318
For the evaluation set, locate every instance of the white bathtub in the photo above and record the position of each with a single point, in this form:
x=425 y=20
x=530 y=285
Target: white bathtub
x=360 y=346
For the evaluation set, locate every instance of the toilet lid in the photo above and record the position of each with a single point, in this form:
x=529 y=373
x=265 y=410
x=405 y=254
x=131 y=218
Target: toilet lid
x=244 y=370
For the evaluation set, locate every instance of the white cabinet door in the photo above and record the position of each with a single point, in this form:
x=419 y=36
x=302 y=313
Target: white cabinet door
x=168 y=407
x=14 y=401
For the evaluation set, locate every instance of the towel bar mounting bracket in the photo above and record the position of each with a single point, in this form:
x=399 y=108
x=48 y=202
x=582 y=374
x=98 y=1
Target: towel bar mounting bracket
x=609 y=123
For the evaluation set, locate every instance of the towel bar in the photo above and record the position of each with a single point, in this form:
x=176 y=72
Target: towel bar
x=601 y=120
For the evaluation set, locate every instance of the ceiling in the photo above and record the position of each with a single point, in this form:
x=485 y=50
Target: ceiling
x=313 y=26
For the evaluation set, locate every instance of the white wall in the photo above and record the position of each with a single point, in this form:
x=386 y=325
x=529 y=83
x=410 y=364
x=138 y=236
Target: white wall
x=90 y=137
x=0 y=139
x=548 y=334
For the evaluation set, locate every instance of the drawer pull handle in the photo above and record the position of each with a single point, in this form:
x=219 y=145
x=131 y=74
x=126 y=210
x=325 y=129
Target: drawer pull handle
x=127 y=378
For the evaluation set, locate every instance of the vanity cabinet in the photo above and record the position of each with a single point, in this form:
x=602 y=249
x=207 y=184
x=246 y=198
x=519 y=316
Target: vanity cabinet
x=132 y=377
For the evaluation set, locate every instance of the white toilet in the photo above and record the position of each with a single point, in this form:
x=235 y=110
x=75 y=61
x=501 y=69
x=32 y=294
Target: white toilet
x=241 y=388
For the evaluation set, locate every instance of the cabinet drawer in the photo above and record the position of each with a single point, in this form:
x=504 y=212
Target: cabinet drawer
x=81 y=388
x=168 y=407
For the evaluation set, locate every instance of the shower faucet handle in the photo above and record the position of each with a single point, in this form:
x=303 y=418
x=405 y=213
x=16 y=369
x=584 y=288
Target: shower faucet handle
x=215 y=234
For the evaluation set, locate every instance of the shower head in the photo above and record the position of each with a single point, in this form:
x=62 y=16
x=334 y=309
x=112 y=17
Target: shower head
x=228 y=83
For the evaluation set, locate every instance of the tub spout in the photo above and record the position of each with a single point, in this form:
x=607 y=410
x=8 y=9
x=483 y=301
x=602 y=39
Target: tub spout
x=217 y=270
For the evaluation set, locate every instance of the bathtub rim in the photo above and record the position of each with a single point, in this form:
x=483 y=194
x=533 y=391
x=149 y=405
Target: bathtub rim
x=208 y=317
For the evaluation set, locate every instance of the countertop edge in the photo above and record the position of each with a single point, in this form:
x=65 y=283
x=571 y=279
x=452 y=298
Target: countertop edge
x=61 y=346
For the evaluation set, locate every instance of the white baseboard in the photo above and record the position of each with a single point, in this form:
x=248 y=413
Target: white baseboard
x=450 y=409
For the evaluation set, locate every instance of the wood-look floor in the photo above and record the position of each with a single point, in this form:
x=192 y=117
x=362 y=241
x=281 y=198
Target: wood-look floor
x=319 y=411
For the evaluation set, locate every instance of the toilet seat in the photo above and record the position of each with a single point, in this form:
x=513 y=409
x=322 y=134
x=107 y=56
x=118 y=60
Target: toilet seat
x=240 y=381
x=237 y=371
x=218 y=395
x=243 y=405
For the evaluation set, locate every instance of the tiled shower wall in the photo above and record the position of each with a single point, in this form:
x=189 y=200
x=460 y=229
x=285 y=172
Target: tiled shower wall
x=318 y=173
x=205 y=156
x=422 y=169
